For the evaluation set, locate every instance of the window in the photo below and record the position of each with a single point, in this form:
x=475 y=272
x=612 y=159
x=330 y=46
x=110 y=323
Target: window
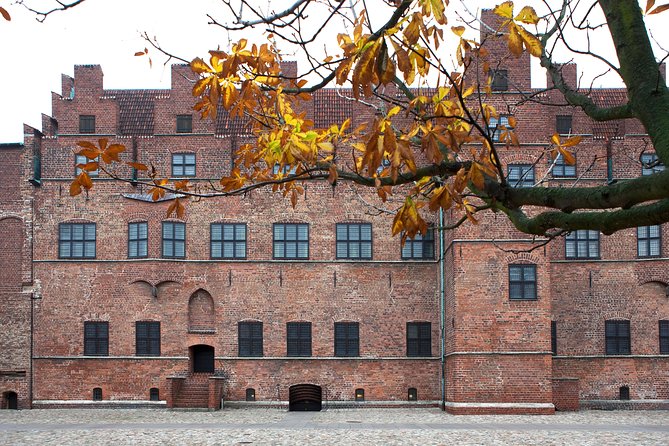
x=347 y=339
x=563 y=124
x=249 y=335
x=291 y=241
x=360 y=395
x=650 y=164
x=97 y=394
x=174 y=240
x=81 y=159
x=648 y=241
x=421 y=247
x=554 y=337
x=563 y=170
x=147 y=338
x=354 y=241
x=285 y=170
x=520 y=175
x=500 y=80
x=664 y=337
x=138 y=240
x=582 y=244
x=522 y=282
x=183 y=164
x=419 y=339
x=154 y=394
x=86 y=124
x=184 y=123
x=497 y=126
x=412 y=394
x=617 y=337
x=96 y=338
x=228 y=241
x=76 y=241
x=250 y=394
x=299 y=338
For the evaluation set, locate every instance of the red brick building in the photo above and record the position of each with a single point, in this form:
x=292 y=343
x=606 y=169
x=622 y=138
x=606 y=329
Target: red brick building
x=249 y=300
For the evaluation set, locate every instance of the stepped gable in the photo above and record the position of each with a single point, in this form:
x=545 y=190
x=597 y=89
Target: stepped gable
x=136 y=110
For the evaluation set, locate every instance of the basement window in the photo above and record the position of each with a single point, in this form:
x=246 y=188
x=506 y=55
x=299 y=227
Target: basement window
x=97 y=394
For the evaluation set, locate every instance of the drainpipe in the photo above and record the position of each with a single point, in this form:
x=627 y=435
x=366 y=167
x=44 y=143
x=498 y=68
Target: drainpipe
x=442 y=305
x=609 y=161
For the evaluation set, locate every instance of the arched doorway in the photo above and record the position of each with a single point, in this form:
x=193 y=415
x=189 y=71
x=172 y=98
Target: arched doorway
x=305 y=397
x=202 y=358
x=10 y=400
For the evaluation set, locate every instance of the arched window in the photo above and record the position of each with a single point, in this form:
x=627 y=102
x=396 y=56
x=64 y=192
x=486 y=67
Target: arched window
x=201 y=312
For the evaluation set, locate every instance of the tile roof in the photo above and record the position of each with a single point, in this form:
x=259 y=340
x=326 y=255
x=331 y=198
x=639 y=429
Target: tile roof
x=135 y=110
x=608 y=97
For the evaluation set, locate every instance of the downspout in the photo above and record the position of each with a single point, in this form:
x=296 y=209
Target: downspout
x=609 y=161
x=442 y=305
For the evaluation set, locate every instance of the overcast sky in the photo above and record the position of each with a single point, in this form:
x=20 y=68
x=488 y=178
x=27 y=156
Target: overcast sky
x=107 y=33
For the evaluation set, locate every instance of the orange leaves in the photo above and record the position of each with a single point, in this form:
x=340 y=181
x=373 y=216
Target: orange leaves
x=177 y=208
x=562 y=148
x=649 y=6
x=408 y=221
x=5 y=14
x=107 y=153
x=519 y=38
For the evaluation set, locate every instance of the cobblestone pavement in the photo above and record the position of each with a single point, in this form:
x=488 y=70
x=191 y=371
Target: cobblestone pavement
x=330 y=427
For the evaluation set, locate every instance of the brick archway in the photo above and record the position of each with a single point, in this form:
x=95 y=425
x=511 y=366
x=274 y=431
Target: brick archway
x=201 y=315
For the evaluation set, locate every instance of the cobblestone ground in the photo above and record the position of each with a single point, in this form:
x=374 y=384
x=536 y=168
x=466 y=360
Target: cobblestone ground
x=330 y=427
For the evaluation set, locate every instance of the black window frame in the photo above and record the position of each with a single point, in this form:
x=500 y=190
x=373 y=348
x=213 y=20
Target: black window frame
x=138 y=240
x=97 y=394
x=250 y=339
x=81 y=159
x=184 y=124
x=617 y=337
x=298 y=339
x=347 y=339
x=285 y=242
x=587 y=238
x=147 y=338
x=239 y=246
x=649 y=158
x=527 y=284
x=172 y=240
x=525 y=176
x=408 y=251
x=648 y=241
x=183 y=164
x=154 y=394
x=562 y=123
x=497 y=125
x=419 y=339
x=499 y=79
x=561 y=169
x=348 y=242
x=87 y=124
x=96 y=338
x=663 y=335
x=86 y=241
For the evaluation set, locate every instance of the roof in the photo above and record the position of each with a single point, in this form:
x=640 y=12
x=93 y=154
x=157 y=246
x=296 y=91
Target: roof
x=136 y=117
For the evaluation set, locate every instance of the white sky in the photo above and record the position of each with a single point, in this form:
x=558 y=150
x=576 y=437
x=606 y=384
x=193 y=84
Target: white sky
x=108 y=33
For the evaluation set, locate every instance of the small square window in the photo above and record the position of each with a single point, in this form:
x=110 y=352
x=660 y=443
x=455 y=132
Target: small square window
x=184 y=123
x=228 y=241
x=419 y=339
x=649 y=241
x=563 y=124
x=617 y=335
x=650 y=164
x=96 y=338
x=86 y=124
x=520 y=175
x=582 y=244
x=522 y=282
x=347 y=339
x=664 y=337
x=249 y=336
x=174 y=240
x=419 y=247
x=183 y=164
x=76 y=241
x=81 y=159
x=291 y=241
x=500 y=80
x=561 y=169
x=298 y=338
x=138 y=240
x=497 y=126
x=354 y=241
x=147 y=338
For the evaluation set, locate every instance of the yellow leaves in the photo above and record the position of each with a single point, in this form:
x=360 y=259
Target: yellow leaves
x=199 y=66
x=561 y=148
x=504 y=10
x=527 y=15
x=435 y=8
x=5 y=14
x=233 y=182
x=458 y=30
x=408 y=220
x=519 y=38
x=441 y=198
